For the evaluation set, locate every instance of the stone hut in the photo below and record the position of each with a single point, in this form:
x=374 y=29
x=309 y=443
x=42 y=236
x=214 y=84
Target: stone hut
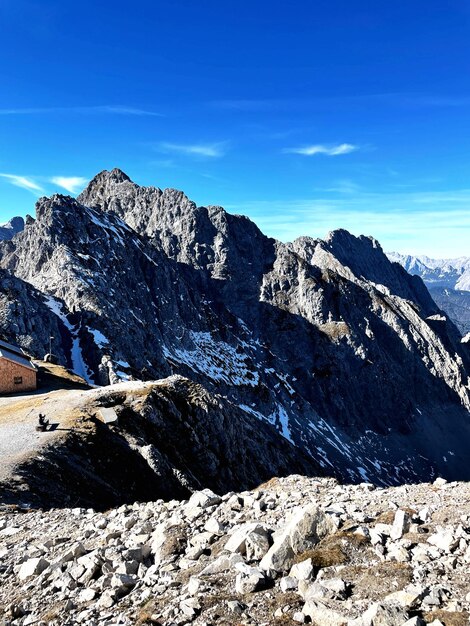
x=17 y=372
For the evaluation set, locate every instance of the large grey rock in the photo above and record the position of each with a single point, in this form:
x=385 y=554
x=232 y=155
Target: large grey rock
x=251 y=539
x=303 y=531
x=401 y=525
x=382 y=615
x=303 y=570
x=321 y=613
x=32 y=567
x=249 y=579
x=444 y=539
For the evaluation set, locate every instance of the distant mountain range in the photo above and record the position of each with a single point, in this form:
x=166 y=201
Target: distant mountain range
x=453 y=273
x=13 y=226
x=448 y=281
x=338 y=351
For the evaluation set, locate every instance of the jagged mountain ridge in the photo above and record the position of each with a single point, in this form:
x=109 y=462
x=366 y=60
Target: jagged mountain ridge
x=342 y=351
x=25 y=318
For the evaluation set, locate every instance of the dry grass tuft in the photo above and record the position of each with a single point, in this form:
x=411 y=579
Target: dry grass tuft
x=387 y=517
x=146 y=614
x=448 y=618
x=333 y=550
x=378 y=579
x=272 y=483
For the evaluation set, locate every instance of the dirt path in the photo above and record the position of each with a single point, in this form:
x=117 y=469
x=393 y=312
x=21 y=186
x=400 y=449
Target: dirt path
x=19 y=438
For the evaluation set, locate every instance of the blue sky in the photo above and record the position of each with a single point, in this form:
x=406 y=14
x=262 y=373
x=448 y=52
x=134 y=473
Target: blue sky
x=305 y=115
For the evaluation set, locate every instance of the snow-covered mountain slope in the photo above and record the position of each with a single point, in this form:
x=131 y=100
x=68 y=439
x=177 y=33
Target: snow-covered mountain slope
x=453 y=273
x=344 y=353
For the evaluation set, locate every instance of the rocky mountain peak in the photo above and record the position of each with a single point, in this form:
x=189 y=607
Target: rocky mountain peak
x=115 y=176
x=56 y=210
x=118 y=176
x=16 y=223
x=146 y=209
x=103 y=185
x=362 y=258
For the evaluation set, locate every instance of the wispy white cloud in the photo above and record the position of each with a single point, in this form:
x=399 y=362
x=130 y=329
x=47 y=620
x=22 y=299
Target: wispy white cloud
x=342 y=148
x=73 y=184
x=124 y=110
x=111 y=109
x=388 y=99
x=23 y=181
x=344 y=185
x=163 y=163
x=211 y=150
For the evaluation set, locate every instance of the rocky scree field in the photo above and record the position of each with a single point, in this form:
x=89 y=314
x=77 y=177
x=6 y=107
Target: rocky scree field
x=292 y=551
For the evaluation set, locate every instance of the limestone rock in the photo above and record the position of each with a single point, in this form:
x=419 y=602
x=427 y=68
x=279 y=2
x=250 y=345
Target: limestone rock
x=301 y=533
x=401 y=524
x=32 y=567
x=137 y=562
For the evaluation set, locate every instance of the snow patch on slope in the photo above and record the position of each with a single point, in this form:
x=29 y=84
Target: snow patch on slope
x=216 y=359
x=78 y=363
x=100 y=340
x=277 y=418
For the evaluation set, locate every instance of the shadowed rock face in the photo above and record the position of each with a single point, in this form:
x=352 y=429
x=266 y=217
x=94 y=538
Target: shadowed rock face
x=26 y=320
x=339 y=349
x=456 y=305
x=170 y=438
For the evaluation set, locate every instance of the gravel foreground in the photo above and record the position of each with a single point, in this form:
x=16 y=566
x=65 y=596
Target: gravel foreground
x=296 y=550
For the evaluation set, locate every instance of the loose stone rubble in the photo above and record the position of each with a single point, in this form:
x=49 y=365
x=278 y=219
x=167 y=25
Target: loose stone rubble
x=293 y=551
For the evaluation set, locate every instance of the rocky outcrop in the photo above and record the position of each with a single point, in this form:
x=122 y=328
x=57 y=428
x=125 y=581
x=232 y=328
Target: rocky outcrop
x=358 y=556
x=343 y=352
x=26 y=320
x=164 y=439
